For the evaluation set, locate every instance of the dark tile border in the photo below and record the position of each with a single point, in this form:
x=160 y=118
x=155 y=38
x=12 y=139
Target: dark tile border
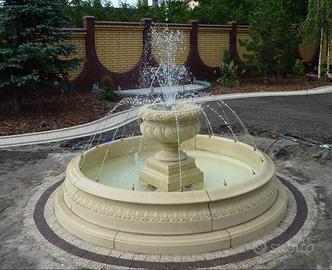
x=46 y=231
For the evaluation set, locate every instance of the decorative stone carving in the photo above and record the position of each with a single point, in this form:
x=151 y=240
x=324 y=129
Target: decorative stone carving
x=128 y=212
x=170 y=127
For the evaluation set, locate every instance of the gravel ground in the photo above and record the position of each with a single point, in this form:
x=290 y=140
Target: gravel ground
x=23 y=168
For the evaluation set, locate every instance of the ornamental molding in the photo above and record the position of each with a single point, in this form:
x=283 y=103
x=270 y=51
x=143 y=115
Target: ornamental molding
x=254 y=199
x=135 y=213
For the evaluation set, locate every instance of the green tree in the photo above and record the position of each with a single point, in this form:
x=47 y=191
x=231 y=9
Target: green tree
x=317 y=27
x=175 y=11
x=34 y=54
x=222 y=11
x=271 y=45
x=296 y=9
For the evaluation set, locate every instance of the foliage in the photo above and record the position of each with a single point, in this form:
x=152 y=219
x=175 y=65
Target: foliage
x=317 y=27
x=271 y=46
x=34 y=52
x=296 y=9
x=222 y=11
x=298 y=68
x=208 y=11
x=170 y=11
x=323 y=69
x=229 y=72
x=319 y=15
x=108 y=94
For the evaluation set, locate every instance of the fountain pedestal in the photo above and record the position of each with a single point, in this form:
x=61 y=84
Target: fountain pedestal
x=170 y=169
x=167 y=176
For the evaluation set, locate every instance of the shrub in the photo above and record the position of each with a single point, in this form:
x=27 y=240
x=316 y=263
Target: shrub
x=108 y=94
x=271 y=46
x=229 y=72
x=299 y=68
x=323 y=69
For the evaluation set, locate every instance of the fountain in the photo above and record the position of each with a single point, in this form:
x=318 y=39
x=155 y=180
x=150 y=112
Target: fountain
x=172 y=190
x=170 y=169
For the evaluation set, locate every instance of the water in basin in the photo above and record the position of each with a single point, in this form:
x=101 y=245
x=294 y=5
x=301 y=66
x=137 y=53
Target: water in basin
x=123 y=172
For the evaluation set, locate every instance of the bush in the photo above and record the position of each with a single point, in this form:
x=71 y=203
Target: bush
x=229 y=72
x=323 y=69
x=271 y=47
x=299 y=68
x=108 y=94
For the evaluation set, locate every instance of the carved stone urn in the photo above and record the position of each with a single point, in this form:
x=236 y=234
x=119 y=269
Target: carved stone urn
x=170 y=169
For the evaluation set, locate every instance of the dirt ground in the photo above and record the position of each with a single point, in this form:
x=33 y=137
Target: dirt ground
x=279 y=84
x=51 y=112
x=59 y=111
x=23 y=168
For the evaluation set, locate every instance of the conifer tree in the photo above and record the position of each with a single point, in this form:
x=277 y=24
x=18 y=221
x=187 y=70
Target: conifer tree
x=34 y=52
x=271 y=46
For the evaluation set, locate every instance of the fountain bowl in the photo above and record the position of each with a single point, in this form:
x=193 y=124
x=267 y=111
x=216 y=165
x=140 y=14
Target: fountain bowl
x=188 y=222
x=170 y=169
x=170 y=126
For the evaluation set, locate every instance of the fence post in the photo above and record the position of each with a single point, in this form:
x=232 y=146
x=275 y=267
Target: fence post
x=233 y=41
x=89 y=26
x=194 y=35
x=147 y=46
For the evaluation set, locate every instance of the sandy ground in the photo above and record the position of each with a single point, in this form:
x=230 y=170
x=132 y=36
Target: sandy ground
x=23 y=168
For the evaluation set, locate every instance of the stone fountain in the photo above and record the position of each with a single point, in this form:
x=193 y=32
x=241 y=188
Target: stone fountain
x=172 y=190
x=193 y=221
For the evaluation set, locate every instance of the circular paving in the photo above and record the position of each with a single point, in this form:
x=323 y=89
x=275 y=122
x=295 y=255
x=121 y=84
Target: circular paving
x=290 y=233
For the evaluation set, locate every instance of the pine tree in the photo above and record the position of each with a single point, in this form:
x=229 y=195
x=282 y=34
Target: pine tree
x=34 y=52
x=271 y=46
x=317 y=27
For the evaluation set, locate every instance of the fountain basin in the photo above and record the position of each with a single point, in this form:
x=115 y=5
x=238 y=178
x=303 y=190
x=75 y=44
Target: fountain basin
x=207 y=219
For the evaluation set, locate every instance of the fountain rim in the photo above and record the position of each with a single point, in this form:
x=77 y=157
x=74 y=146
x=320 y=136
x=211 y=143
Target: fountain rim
x=262 y=176
x=190 y=111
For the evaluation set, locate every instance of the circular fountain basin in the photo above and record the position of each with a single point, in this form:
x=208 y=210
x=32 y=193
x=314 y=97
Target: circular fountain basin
x=241 y=198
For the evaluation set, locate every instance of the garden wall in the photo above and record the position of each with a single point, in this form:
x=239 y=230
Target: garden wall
x=118 y=50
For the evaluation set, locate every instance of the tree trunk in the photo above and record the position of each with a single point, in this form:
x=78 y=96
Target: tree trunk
x=320 y=51
x=328 y=55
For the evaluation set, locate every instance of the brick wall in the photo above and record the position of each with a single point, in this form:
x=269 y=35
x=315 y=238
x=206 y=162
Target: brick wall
x=119 y=49
x=211 y=45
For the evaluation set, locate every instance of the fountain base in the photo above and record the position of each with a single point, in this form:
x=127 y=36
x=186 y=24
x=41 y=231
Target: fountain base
x=172 y=244
x=166 y=176
x=189 y=222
